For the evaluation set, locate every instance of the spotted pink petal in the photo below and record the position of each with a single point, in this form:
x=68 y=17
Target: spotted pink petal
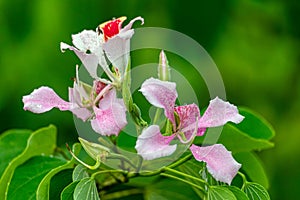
x=189 y=116
x=151 y=144
x=219 y=161
x=161 y=94
x=44 y=99
x=110 y=117
x=219 y=113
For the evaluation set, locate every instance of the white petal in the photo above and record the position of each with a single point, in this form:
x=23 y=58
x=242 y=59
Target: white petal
x=86 y=40
x=117 y=50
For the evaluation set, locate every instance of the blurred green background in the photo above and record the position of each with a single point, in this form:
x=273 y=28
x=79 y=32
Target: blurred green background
x=255 y=45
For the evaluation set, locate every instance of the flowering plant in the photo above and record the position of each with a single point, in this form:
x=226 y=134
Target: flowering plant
x=172 y=146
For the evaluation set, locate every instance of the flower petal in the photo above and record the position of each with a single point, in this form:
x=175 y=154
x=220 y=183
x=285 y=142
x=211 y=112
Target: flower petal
x=219 y=113
x=129 y=25
x=44 y=99
x=75 y=99
x=86 y=40
x=163 y=67
x=219 y=161
x=110 y=117
x=188 y=115
x=117 y=47
x=111 y=27
x=161 y=94
x=117 y=50
x=151 y=144
x=90 y=61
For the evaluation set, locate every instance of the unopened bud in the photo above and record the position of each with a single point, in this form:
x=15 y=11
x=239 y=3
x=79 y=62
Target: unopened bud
x=163 y=67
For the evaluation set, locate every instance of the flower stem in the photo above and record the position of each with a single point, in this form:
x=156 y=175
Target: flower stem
x=183 y=180
x=244 y=179
x=122 y=158
x=156 y=172
x=157 y=114
x=140 y=163
x=186 y=175
x=107 y=171
x=95 y=166
x=181 y=161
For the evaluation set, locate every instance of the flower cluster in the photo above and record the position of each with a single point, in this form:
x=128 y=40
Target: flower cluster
x=97 y=103
x=108 y=47
x=152 y=144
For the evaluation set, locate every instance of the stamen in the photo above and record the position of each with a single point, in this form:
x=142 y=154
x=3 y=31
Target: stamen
x=103 y=92
x=186 y=141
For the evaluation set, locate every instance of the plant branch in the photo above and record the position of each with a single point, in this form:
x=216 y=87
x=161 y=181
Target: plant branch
x=183 y=180
x=122 y=158
x=180 y=161
x=186 y=175
x=244 y=179
x=107 y=171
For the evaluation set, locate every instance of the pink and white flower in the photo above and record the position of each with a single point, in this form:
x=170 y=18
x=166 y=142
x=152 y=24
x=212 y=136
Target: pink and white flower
x=163 y=94
x=98 y=103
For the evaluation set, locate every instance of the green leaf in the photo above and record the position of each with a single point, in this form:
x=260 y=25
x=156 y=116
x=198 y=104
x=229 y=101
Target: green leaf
x=238 y=141
x=254 y=191
x=68 y=192
x=86 y=189
x=169 y=189
x=220 y=193
x=79 y=173
x=44 y=186
x=12 y=143
x=252 y=166
x=93 y=149
x=255 y=125
x=28 y=176
x=42 y=141
x=238 y=193
x=59 y=182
